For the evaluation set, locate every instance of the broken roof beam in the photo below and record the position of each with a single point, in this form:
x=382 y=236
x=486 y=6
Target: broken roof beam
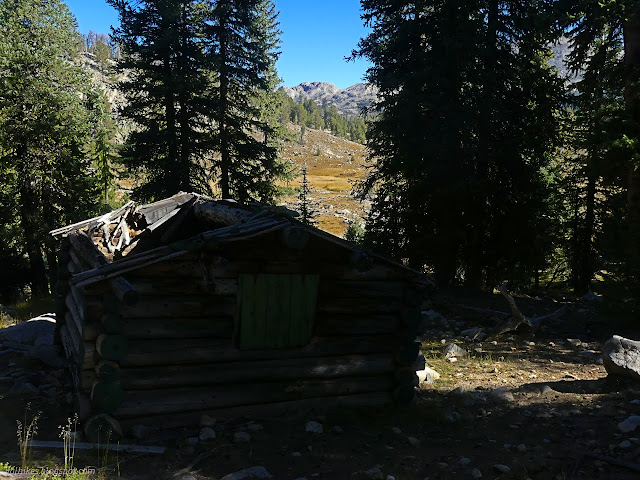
x=93 y=222
x=125 y=292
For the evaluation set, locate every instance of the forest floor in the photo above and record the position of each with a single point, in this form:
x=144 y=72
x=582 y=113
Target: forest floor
x=560 y=421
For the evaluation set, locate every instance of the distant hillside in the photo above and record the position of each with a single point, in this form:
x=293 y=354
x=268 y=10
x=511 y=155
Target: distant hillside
x=349 y=101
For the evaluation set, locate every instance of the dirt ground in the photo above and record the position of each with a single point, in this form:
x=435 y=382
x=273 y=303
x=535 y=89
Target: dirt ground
x=560 y=423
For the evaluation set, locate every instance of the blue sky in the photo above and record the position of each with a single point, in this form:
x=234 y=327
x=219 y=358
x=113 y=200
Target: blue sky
x=316 y=36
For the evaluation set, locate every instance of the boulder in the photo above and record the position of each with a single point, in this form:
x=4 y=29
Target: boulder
x=37 y=331
x=454 y=350
x=427 y=375
x=621 y=357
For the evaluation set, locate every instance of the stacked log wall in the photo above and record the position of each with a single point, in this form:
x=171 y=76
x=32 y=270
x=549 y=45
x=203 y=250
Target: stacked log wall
x=174 y=350
x=182 y=356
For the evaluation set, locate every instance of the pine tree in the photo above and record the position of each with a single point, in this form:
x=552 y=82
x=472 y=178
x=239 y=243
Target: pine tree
x=615 y=25
x=104 y=149
x=466 y=118
x=166 y=86
x=307 y=209
x=45 y=126
x=243 y=41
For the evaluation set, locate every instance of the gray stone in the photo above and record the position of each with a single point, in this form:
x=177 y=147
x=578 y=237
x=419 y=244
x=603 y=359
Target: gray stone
x=337 y=429
x=427 y=375
x=470 y=332
x=396 y=430
x=296 y=454
x=37 y=331
x=187 y=477
x=574 y=342
x=313 y=427
x=390 y=477
x=207 y=433
x=625 y=444
x=414 y=441
x=241 y=437
x=248 y=473
x=475 y=473
x=546 y=390
x=501 y=394
x=621 y=357
x=630 y=424
x=522 y=448
x=464 y=461
x=501 y=468
x=454 y=350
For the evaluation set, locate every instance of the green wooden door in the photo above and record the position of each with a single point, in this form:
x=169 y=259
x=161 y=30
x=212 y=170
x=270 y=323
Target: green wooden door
x=276 y=311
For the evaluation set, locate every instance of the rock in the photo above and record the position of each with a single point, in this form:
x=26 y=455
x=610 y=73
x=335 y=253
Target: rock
x=37 y=331
x=337 y=429
x=630 y=424
x=574 y=342
x=454 y=350
x=522 y=448
x=501 y=394
x=296 y=454
x=432 y=316
x=396 y=430
x=625 y=444
x=470 y=332
x=427 y=375
x=475 y=473
x=241 y=437
x=248 y=473
x=464 y=461
x=313 y=427
x=390 y=477
x=207 y=433
x=187 y=477
x=546 y=390
x=414 y=441
x=621 y=357
x=501 y=468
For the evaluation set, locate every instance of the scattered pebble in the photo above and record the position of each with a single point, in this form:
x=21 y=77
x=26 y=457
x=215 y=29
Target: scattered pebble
x=464 y=461
x=396 y=430
x=522 y=448
x=207 y=433
x=414 y=441
x=313 y=427
x=374 y=473
x=625 y=444
x=630 y=424
x=254 y=427
x=296 y=454
x=337 y=429
x=475 y=473
x=501 y=394
x=501 y=468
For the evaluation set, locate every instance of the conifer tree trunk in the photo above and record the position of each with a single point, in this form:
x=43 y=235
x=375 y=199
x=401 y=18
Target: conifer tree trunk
x=28 y=212
x=585 y=264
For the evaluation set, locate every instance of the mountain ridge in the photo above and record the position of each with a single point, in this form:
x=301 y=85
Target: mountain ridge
x=348 y=101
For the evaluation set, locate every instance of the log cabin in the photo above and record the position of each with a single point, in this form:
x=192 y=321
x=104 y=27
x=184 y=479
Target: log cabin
x=191 y=306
